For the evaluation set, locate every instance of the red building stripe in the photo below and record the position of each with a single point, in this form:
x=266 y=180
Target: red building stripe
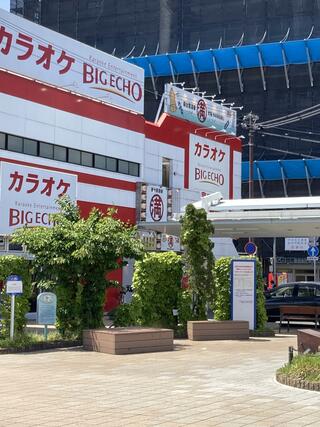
x=49 y=96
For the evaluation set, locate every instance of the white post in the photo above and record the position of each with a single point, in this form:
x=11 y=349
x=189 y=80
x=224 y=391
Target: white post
x=314 y=270
x=12 y=317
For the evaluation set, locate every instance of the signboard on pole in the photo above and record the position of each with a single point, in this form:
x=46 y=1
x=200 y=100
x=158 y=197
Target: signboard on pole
x=296 y=243
x=34 y=51
x=13 y=288
x=250 y=248
x=243 y=291
x=14 y=285
x=313 y=251
x=46 y=308
x=209 y=166
x=28 y=195
x=188 y=106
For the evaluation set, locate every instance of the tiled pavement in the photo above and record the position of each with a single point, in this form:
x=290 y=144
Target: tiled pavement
x=226 y=383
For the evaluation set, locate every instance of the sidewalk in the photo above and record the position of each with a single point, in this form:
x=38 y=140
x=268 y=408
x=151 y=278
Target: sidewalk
x=213 y=383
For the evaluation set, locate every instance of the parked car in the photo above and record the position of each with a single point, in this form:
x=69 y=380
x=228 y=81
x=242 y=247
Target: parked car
x=297 y=293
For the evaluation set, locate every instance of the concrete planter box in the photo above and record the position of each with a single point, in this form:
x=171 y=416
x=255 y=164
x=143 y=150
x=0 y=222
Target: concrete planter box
x=128 y=340
x=218 y=330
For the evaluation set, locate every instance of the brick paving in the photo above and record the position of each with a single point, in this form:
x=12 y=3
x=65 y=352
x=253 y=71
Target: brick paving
x=227 y=383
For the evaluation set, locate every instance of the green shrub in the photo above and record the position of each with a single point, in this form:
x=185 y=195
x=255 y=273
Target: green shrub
x=222 y=304
x=11 y=264
x=303 y=367
x=25 y=340
x=157 y=291
x=122 y=315
x=198 y=259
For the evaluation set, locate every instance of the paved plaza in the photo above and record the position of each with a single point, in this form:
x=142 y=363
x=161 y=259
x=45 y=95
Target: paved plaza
x=226 y=383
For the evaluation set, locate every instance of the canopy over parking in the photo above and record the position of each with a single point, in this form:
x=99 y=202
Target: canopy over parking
x=272 y=217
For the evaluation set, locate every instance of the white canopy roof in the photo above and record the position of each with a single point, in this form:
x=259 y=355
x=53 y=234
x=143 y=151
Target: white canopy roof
x=274 y=217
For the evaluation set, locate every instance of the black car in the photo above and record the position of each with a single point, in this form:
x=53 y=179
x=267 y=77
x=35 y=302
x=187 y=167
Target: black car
x=297 y=293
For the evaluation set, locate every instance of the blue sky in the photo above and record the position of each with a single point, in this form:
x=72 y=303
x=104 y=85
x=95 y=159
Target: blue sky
x=5 y=4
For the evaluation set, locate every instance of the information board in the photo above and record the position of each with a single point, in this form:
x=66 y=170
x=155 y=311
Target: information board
x=243 y=291
x=46 y=308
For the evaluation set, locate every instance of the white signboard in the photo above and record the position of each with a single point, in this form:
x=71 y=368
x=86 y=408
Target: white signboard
x=209 y=166
x=156 y=204
x=170 y=243
x=14 y=285
x=243 y=291
x=39 y=53
x=188 y=106
x=28 y=195
x=296 y=243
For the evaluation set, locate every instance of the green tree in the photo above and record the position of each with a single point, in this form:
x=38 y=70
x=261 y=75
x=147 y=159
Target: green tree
x=74 y=256
x=198 y=258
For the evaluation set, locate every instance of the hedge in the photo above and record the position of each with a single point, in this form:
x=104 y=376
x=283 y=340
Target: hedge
x=157 y=291
x=11 y=264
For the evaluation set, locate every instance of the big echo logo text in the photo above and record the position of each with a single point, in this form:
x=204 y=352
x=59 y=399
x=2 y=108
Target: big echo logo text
x=126 y=88
x=210 y=176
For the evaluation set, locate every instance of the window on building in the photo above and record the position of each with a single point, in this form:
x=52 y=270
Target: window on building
x=64 y=154
x=30 y=146
x=111 y=164
x=166 y=172
x=60 y=153
x=133 y=169
x=3 y=141
x=15 y=143
x=99 y=161
x=15 y=247
x=123 y=167
x=2 y=244
x=74 y=156
x=87 y=159
x=46 y=150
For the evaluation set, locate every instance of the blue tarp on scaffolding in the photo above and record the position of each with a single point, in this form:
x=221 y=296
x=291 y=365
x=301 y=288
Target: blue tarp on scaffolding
x=272 y=170
x=230 y=58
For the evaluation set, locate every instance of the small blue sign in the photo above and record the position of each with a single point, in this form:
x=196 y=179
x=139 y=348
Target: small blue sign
x=313 y=251
x=13 y=278
x=250 y=248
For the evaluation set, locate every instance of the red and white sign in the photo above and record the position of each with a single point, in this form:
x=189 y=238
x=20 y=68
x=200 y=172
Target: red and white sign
x=39 y=53
x=157 y=201
x=170 y=243
x=28 y=195
x=209 y=166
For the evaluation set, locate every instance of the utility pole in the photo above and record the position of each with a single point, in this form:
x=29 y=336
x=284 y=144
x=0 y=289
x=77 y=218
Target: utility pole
x=250 y=124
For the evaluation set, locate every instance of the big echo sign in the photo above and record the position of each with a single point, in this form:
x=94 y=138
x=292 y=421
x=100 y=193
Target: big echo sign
x=39 y=53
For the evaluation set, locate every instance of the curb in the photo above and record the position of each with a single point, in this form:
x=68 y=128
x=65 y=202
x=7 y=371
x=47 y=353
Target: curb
x=292 y=382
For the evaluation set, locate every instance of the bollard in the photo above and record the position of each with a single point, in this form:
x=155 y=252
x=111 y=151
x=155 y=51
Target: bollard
x=290 y=355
